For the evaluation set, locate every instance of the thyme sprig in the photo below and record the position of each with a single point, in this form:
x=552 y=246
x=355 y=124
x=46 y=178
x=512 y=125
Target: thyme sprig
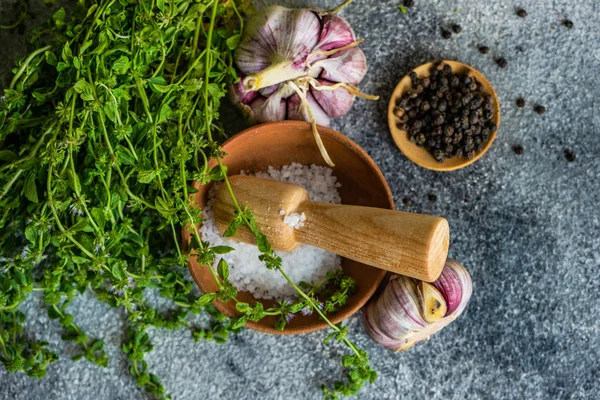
x=103 y=129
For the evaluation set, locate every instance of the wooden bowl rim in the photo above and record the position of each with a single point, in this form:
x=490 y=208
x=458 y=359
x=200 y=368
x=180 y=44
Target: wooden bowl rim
x=378 y=274
x=401 y=136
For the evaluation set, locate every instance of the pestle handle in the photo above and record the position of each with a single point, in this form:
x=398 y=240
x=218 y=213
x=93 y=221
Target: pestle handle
x=409 y=244
x=414 y=245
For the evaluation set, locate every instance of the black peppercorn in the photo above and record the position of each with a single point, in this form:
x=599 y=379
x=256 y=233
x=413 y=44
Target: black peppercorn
x=520 y=102
x=570 y=156
x=409 y=3
x=484 y=49
x=447 y=113
x=539 y=109
x=446 y=34
x=502 y=63
x=518 y=149
x=521 y=13
x=568 y=23
x=432 y=197
x=457 y=28
x=406 y=201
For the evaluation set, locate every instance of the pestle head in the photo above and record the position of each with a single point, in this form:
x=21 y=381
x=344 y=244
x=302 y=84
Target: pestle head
x=265 y=198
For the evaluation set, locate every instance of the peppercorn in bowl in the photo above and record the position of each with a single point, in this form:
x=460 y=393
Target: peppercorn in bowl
x=444 y=115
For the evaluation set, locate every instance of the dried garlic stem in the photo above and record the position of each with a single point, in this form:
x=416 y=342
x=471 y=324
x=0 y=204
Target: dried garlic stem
x=332 y=51
x=313 y=124
x=272 y=75
x=353 y=90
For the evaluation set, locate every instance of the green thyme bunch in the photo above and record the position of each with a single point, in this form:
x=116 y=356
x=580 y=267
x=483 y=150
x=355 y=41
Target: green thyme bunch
x=105 y=125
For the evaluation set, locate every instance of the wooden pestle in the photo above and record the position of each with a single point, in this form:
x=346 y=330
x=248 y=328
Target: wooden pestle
x=414 y=245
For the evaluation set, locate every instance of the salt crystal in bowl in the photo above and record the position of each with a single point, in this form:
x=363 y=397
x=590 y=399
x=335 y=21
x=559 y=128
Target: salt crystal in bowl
x=281 y=143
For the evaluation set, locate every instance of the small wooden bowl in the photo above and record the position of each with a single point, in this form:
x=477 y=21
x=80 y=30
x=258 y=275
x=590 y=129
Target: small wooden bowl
x=281 y=143
x=419 y=155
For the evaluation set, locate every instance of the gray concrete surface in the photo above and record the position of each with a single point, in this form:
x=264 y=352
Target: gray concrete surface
x=527 y=227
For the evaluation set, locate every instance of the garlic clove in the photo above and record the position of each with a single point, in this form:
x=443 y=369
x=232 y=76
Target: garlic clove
x=297 y=110
x=269 y=90
x=240 y=95
x=409 y=311
x=349 y=66
x=336 y=103
x=455 y=285
x=433 y=304
x=268 y=109
x=335 y=33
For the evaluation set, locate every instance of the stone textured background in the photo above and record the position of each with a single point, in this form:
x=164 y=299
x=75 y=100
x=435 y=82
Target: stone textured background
x=527 y=228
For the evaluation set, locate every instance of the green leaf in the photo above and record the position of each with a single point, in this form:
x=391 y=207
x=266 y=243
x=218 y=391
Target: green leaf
x=85 y=89
x=238 y=322
x=74 y=181
x=76 y=63
x=121 y=65
x=67 y=54
x=206 y=299
x=124 y=155
x=99 y=218
x=61 y=66
x=146 y=176
x=233 y=42
x=217 y=173
x=30 y=188
x=263 y=243
x=221 y=249
x=91 y=10
x=164 y=114
x=7 y=155
x=280 y=324
x=50 y=58
x=232 y=228
x=402 y=8
x=79 y=260
x=30 y=234
x=223 y=269
x=242 y=307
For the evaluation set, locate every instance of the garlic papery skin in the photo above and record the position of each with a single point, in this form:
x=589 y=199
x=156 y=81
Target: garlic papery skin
x=409 y=311
x=294 y=54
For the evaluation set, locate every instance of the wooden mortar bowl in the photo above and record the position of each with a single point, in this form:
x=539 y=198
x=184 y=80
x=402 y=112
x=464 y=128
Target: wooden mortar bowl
x=419 y=155
x=281 y=143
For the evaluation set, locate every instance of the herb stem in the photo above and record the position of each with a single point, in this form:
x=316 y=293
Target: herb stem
x=26 y=64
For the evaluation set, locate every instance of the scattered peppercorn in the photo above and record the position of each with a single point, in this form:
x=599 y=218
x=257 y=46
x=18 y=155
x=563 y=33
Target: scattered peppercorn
x=406 y=201
x=521 y=13
x=518 y=149
x=457 y=28
x=570 y=156
x=484 y=49
x=539 y=109
x=520 y=102
x=446 y=34
x=568 y=23
x=450 y=117
x=432 y=197
x=519 y=49
x=502 y=63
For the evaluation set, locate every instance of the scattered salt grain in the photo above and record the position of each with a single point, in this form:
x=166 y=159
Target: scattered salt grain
x=306 y=263
x=295 y=220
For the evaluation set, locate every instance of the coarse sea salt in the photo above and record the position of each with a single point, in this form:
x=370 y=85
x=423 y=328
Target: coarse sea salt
x=306 y=263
